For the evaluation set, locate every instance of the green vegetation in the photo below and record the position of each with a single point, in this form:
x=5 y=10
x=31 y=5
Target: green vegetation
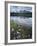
x=25 y=33
x=22 y=14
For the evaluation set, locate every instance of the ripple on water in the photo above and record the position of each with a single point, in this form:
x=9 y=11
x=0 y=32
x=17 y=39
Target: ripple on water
x=23 y=21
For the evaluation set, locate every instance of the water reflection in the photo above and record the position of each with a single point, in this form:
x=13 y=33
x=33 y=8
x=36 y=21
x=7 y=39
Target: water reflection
x=22 y=20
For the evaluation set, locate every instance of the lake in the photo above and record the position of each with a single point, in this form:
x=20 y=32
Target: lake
x=27 y=21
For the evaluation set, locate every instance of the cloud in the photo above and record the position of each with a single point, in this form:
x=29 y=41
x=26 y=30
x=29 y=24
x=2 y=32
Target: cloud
x=20 y=8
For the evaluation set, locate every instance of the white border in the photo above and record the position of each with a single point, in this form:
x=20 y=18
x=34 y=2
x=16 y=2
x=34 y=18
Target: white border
x=23 y=40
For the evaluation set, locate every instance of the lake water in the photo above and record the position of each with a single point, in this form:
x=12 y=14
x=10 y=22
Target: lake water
x=27 y=21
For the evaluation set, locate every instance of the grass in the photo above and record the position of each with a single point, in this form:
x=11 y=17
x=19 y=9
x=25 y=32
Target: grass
x=25 y=33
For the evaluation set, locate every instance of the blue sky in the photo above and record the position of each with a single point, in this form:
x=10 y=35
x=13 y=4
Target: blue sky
x=20 y=8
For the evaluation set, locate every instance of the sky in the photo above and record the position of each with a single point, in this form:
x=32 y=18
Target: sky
x=20 y=8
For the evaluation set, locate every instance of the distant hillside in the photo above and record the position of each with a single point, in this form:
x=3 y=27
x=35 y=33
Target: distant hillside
x=24 y=11
x=28 y=14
